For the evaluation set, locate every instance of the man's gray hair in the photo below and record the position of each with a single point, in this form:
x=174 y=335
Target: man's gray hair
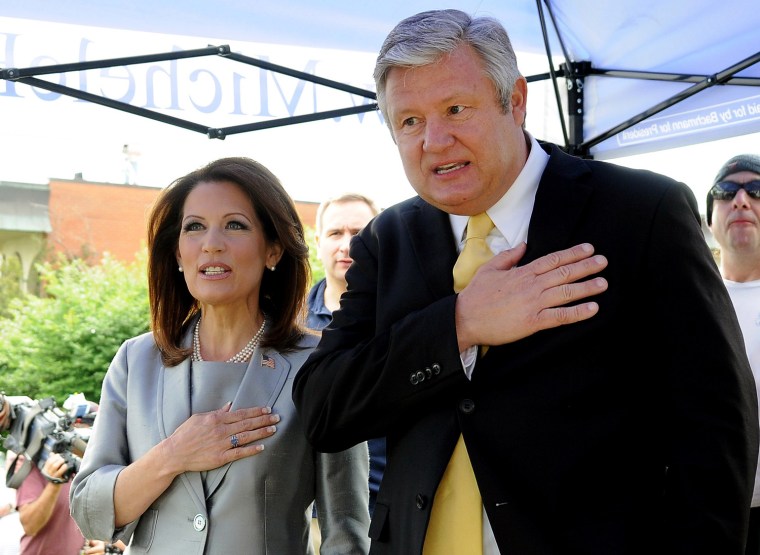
x=423 y=38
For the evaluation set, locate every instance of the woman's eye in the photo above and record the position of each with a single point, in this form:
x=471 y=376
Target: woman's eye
x=193 y=226
x=458 y=109
x=236 y=225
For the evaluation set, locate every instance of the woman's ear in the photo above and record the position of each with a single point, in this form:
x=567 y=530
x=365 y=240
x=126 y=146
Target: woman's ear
x=274 y=255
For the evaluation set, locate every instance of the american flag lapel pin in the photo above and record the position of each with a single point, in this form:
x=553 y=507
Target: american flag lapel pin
x=267 y=361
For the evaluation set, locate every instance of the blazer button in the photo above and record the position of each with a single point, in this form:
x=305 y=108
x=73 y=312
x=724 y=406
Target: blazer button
x=421 y=501
x=467 y=406
x=199 y=522
x=436 y=368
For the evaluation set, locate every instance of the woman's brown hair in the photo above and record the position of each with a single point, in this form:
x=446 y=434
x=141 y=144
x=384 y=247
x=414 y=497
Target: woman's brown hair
x=283 y=292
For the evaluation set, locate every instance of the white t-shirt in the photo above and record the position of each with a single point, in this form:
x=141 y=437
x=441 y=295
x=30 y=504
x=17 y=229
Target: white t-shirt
x=746 y=299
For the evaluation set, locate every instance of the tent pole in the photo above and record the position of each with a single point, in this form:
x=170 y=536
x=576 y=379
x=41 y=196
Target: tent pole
x=576 y=73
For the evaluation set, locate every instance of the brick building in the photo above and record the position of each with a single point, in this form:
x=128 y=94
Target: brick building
x=80 y=219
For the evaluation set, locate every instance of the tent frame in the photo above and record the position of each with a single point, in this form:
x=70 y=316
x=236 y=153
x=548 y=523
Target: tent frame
x=571 y=120
x=28 y=76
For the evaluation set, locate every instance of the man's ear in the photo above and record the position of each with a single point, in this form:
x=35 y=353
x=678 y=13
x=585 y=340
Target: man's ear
x=519 y=101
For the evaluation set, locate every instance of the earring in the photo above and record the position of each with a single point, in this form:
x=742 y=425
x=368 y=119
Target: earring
x=272 y=268
x=181 y=270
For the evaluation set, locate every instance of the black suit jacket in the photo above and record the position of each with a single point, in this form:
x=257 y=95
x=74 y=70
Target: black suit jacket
x=635 y=432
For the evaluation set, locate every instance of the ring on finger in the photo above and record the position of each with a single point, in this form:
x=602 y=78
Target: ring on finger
x=234 y=441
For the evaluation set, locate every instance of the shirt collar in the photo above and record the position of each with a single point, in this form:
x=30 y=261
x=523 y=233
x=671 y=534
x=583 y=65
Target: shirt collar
x=511 y=213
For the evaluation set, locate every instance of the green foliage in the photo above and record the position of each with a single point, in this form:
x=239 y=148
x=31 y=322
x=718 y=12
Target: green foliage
x=317 y=269
x=10 y=282
x=63 y=343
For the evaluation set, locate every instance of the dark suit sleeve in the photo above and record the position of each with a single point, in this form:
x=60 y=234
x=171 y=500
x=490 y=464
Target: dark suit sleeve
x=711 y=428
x=389 y=351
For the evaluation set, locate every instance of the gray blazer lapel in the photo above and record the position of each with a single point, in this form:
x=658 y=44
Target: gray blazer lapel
x=174 y=400
x=263 y=380
x=173 y=410
x=262 y=384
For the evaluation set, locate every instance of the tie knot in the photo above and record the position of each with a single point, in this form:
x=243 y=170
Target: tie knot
x=479 y=226
x=475 y=250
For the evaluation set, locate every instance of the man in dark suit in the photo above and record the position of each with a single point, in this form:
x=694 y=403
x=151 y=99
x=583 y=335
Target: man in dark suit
x=610 y=408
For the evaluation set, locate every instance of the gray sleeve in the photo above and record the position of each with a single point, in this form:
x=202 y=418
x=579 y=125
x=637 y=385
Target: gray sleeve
x=343 y=500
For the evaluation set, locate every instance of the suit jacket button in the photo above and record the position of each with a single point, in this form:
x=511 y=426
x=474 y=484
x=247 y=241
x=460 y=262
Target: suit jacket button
x=467 y=406
x=199 y=522
x=421 y=501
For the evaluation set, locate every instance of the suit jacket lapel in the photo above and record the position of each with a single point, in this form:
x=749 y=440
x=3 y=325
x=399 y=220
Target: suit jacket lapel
x=562 y=194
x=173 y=409
x=434 y=246
x=560 y=199
x=174 y=402
x=263 y=380
x=262 y=384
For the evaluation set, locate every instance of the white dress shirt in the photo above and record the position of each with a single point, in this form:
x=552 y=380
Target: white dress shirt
x=511 y=217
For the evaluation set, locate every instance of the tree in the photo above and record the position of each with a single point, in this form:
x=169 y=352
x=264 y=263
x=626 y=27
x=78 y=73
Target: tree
x=317 y=269
x=10 y=282
x=63 y=342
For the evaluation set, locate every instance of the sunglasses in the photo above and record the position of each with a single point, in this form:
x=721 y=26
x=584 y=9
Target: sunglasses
x=726 y=190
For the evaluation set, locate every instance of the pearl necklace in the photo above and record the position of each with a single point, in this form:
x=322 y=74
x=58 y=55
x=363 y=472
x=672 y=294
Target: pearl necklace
x=243 y=356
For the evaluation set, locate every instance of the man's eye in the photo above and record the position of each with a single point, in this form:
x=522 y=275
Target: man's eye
x=408 y=122
x=458 y=109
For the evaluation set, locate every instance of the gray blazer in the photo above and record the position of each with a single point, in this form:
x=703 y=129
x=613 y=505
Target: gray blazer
x=257 y=505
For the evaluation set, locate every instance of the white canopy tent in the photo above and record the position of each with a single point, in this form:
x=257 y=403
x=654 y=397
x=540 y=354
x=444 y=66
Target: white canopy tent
x=635 y=59
x=640 y=76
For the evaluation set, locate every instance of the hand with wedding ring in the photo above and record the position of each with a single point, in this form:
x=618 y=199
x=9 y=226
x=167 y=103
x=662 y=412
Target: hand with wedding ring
x=211 y=439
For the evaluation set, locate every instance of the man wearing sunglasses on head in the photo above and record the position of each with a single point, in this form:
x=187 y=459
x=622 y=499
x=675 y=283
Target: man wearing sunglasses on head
x=733 y=214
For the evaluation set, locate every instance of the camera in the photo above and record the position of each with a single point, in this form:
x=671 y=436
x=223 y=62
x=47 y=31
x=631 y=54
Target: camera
x=39 y=428
x=65 y=443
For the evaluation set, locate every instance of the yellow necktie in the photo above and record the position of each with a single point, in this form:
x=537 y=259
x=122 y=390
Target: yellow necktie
x=456 y=520
x=475 y=251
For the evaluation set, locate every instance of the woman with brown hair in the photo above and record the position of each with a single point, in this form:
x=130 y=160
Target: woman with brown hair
x=197 y=447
